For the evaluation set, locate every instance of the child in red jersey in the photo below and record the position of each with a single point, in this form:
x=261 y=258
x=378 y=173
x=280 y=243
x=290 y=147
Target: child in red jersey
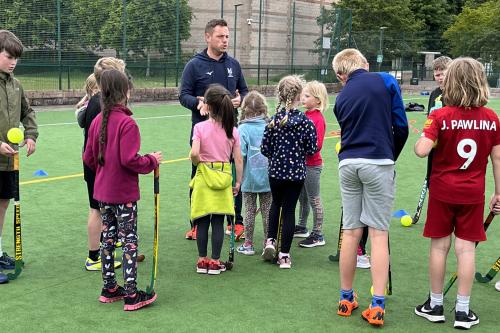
x=465 y=133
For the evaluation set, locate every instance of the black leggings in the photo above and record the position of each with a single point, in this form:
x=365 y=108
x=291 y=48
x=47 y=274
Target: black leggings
x=203 y=223
x=285 y=196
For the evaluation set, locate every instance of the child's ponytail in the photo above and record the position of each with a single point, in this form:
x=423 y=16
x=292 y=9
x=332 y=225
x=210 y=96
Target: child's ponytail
x=114 y=89
x=221 y=107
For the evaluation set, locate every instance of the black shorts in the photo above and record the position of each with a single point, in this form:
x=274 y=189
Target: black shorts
x=89 y=176
x=7 y=184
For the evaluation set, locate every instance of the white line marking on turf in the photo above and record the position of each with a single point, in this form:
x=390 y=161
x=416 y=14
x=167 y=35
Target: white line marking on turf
x=140 y=118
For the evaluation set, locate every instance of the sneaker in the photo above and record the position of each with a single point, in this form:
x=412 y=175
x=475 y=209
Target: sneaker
x=215 y=267
x=202 y=266
x=374 y=316
x=3 y=278
x=300 y=232
x=246 y=249
x=434 y=315
x=346 y=307
x=497 y=285
x=112 y=295
x=239 y=231
x=191 y=234
x=363 y=261
x=138 y=300
x=7 y=262
x=91 y=265
x=285 y=262
x=312 y=241
x=464 y=320
x=269 y=250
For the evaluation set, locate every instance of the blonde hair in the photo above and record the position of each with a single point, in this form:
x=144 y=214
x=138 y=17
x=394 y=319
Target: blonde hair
x=91 y=88
x=465 y=84
x=318 y=90
x=347 y=61
x=441 y=63
x=254 y=104
x=107 y=63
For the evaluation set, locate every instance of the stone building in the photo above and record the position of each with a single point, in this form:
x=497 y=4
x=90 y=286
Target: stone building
x=277 y=28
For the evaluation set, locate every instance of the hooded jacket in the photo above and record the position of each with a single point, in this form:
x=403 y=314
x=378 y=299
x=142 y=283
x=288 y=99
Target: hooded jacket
x=286 y=145
x=14 y=108
x=201 y=71
x=255 y=176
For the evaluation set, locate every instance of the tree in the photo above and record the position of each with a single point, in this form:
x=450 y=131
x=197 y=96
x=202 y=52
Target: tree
x=437 y=17
x=367 y=19
x=475 y=33
x=150 y=27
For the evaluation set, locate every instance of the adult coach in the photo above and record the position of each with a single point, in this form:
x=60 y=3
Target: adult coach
x=212 y=65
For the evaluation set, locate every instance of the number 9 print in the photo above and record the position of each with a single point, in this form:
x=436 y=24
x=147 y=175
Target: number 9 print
x=470 y=154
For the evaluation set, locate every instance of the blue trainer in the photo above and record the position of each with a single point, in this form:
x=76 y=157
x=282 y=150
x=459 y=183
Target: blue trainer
x=3 y=278
x=7 y=262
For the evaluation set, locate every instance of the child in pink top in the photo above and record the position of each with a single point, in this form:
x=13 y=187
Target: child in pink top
x=315 y=100
x=112 y=152
x=214 y=142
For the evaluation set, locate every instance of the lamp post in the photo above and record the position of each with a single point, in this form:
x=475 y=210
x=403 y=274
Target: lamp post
x=235 y=20
x=380 y=56
x=221 y=8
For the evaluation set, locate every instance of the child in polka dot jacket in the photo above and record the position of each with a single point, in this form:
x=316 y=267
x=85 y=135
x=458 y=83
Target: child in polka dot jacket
x=288 y=138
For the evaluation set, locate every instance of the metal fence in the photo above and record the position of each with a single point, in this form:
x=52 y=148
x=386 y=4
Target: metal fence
x=65 y=38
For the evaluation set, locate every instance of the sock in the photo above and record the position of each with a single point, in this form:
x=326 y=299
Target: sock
x=94 y=255
x=347 y=294
x=378 y=301
x=462 y=304
x=1 y=251
x=436 y=299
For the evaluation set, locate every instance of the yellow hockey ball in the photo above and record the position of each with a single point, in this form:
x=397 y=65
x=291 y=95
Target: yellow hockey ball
x=337 y=147
x=15 y=135
x=371 y=291
x=406 y=221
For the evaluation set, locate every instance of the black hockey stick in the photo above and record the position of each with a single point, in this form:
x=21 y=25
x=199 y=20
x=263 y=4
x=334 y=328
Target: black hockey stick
x=339 y=241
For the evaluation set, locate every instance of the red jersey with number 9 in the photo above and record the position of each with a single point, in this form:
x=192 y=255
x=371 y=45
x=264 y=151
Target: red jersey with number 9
x=465 y=140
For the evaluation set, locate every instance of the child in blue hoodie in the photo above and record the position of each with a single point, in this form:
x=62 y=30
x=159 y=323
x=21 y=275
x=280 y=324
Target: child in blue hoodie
x=288 y=138
x=253 y=121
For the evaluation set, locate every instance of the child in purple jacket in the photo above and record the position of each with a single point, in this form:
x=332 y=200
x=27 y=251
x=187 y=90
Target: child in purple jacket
x=112 y=152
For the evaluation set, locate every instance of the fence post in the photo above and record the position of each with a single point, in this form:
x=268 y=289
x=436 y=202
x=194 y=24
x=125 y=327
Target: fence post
x=69 y=80
x=124 y=30
x=177 y=43
x=58 y=4
x=293 y=39
x=267 y=75
x=258 y=53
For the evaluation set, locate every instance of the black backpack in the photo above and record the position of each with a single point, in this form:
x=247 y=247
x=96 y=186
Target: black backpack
x=414 y=107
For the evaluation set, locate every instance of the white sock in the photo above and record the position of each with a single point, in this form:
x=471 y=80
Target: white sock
x=462 y=303
x=1 y=251
x=436 y=299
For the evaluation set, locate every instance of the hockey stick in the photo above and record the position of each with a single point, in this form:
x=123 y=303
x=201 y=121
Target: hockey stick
x=18 y=240
x=425 y=188
x=150 y=289
x=421 y=200
x=389 y=289
x=232 y=238
x=278 y=241
x=339 y=242
x=454 y=277
x=491 y=274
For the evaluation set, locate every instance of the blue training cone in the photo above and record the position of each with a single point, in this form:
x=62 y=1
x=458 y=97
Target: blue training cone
x=399 y=213
x=40 y=173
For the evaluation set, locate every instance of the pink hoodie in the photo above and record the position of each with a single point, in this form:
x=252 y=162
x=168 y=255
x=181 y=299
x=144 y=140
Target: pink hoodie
x=117 y=181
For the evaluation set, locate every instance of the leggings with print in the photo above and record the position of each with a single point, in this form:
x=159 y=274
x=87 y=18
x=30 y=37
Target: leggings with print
x=310 y=195
x=119 y=223
x=250 y=201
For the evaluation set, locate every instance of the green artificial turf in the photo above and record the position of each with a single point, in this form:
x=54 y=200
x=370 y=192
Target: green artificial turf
x=55 y=294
